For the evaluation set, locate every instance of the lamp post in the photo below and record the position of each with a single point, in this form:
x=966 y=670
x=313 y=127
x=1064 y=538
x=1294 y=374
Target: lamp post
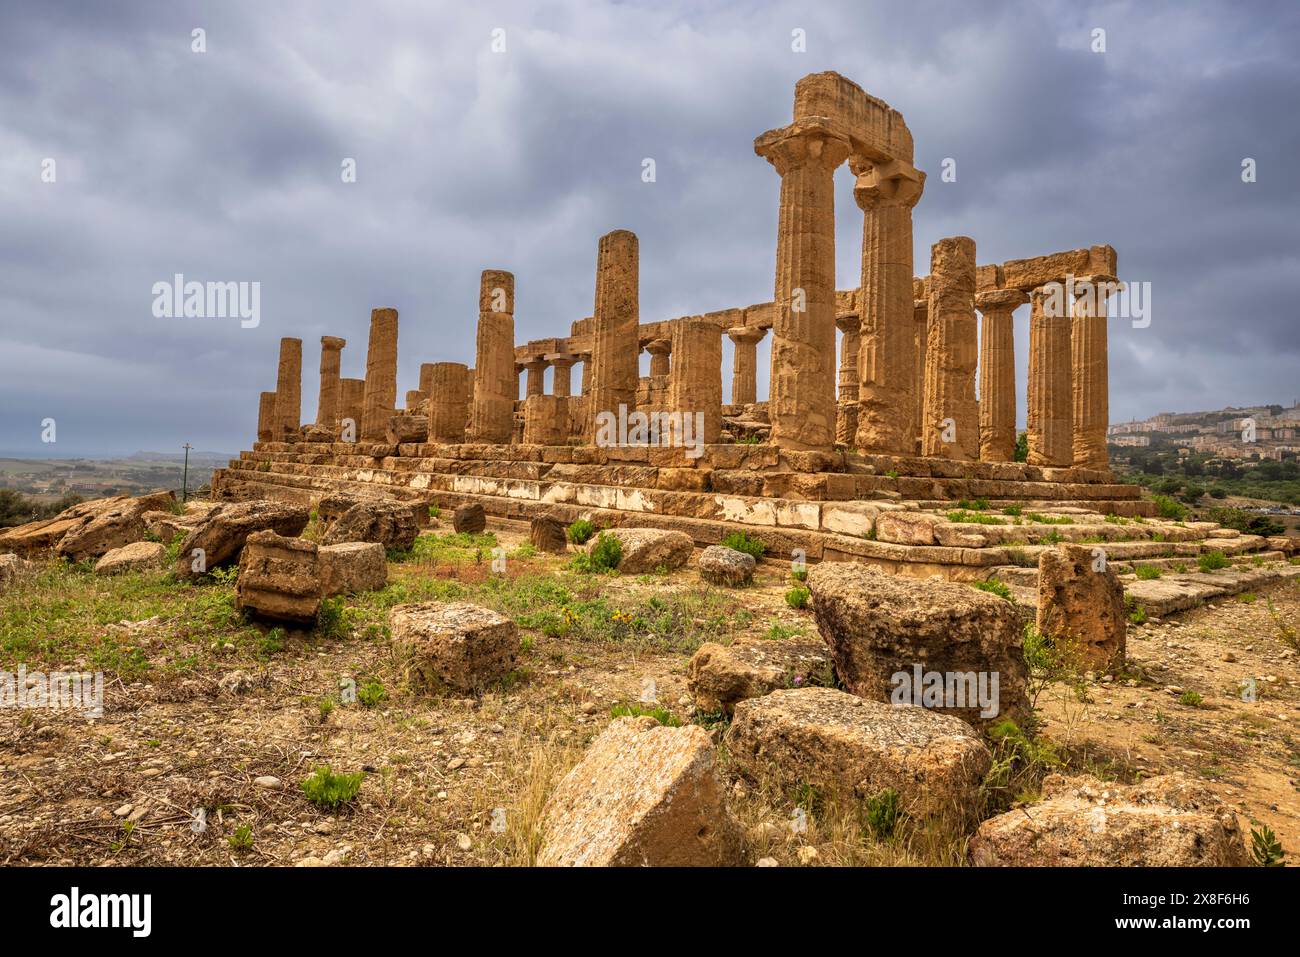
x=185 y=476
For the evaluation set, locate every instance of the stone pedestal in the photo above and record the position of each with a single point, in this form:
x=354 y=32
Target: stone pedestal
x=695 y=383
x=615 y=344
x=887 y=397
x=802 y=402
x=381 y=375
x=496 y=385
x=1048 y=417
x=1090 y=373
x=288 y=391
x=744 y=364
x=327 y=407
x=446 y=409
x=997 y=371
x=951 y=427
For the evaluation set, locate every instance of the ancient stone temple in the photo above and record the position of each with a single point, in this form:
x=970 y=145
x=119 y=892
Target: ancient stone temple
x=886 y=401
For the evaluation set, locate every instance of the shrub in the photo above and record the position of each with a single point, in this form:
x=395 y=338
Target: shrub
x=371 y=694
x=1212 y=561
x=242 y=840
x=1022 y=448
x=1191 y=699
x=1146 y=573
x=330 y=621
x=797 y=597
x=996 y=587
x=330 y=791
x=634 y=710
x=1013 y=510
x=883 y=811
x=799 y=574
x=1166 y=507
x=580 y=532
x=1265 y=848
x=603 y=557
x=743 y=542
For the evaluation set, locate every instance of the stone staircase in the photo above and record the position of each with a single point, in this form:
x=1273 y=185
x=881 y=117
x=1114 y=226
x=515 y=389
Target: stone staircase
x=962 y=520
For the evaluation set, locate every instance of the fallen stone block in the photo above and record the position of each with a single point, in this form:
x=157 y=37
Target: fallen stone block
x=1166 y=821
x=643 y=795
x=547 y=534
x=136 y=557
x=718 y=677
x=931 y=642
x=1081 y=606
x=459 y=645
x=167 y=525
x=350 y=568
x=720 y=565
x=279 y=578
x=647 y=549
x=115 y=526
x=855 y=748
x=219 y=540
x=390 y=525
x=37 y=538
x=470 y=519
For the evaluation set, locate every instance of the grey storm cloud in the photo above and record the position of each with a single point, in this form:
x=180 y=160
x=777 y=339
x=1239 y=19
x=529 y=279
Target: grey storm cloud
x=225 y=166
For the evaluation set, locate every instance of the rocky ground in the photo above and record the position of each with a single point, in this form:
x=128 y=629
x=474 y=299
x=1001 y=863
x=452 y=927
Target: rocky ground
x=206 y=711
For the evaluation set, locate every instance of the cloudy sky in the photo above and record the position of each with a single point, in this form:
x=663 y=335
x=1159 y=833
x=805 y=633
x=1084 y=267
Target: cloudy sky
x=225 y=166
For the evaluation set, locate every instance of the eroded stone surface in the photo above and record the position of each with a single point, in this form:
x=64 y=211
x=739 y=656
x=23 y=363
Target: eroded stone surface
x=1166 y=821
x=352 y=567
x=1081 y=605
x=138 y=556
x=219 y=540
x=720 y=565
x=857 y=748
x=882 y=628
x=279 y=578
x=643 y=795
x=390 y=525
x=645 y=549
x=459 y=645
x=718 y=676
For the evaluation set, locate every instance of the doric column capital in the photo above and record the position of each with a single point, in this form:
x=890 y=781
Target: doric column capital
x=806 y=142
x=746 y=334
x=999 y=300
x=886 y=184
x=849 y=323
x=561 y=359
x=659 y=347
x=332 y=342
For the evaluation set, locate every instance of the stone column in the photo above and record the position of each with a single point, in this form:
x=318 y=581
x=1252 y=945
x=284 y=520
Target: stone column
x=546 y=420
x=850 y=355
x=920 y=337
x=887 y=400
x=535 y=384
x=562 y=378
x=327 y=407
x=695 y=384
x=496 y=384
x=802 y=402
x=998 y=373
x=352 y=397
x=1048 y=418
x=615 y=344
x=288 y=391
x=266 y=417
x=586 y=374
x=660 y=350
x=445 y=408
x=951 y=427
x=415 y=400
x=744 y=364
x=1089 y=372
x=381 y=375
